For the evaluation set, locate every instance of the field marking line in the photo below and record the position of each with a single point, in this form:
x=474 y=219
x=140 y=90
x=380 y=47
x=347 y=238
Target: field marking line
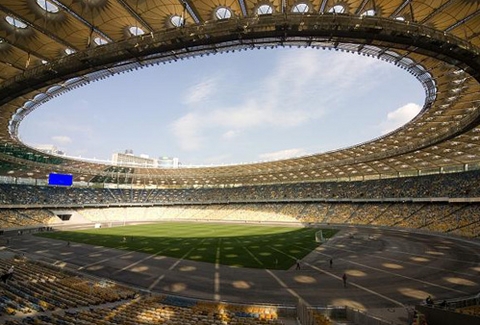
x=141 y=260
x=255 y=258
x=138 y=262
x=357 y=285
x=103 y=260
x=396 y=274
x=75 y=256
x=283 y=284
x=282 y=252
x=430 y=256
x=216 y=281
x=174 y=265
x=340 y=279
x=280 y=281
x=157 y=280
x=405 y=262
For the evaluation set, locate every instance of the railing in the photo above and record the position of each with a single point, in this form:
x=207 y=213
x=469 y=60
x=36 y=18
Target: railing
x=361 y=317
x=308 y=315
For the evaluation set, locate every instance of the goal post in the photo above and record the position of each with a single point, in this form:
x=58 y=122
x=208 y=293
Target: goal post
x=319 y=237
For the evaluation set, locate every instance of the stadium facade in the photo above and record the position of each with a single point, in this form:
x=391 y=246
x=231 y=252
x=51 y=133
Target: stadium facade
x=423 y=176
x=51 y=47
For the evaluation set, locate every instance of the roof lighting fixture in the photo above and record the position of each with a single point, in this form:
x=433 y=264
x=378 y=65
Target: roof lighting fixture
x=223 y=13
x=48 y=6
x=15 y=22
x=459 y=81
x=177 y=21
x=337 y=9
x=369 y=12
x=100 y=41
x=136 y=31
x=301 y=8
x=264 y=10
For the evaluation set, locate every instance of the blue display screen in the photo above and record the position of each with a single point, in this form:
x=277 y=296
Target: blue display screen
x=60 y=179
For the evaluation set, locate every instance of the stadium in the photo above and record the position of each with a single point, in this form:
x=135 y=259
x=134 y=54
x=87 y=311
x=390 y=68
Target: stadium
x=400 y=210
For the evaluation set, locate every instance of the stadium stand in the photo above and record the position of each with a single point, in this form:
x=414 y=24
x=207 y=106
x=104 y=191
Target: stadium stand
x=454 y=185
x=42 y=294
x=447 y=207
x=423 y=176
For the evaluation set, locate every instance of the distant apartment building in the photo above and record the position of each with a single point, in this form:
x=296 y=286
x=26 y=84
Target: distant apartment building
x=49 y=149
x=168 y=162
x=129 y=159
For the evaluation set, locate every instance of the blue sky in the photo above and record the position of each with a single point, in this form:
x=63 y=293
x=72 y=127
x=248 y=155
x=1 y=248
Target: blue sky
x=238 y=107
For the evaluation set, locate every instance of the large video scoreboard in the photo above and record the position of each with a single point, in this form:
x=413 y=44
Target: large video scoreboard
x=55 y=179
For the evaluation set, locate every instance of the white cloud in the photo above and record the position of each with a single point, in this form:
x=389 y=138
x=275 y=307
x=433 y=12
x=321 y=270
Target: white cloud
x=345 y=71
x=187 y=130
x=275 y=102
x=283 y=154
x=62 y=139
x=218 y=160
x=200 y=92
x=293 y=74
x=231 y=134
x=190 y=129
x=300 y=88
x=399 y=117
x=320 y=75
x=249 y=114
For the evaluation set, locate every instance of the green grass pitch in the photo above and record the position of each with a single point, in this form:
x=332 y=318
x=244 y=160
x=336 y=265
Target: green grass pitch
x=253 y=246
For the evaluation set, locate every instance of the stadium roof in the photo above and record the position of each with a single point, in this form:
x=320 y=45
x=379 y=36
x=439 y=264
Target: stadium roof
x=48 y=47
